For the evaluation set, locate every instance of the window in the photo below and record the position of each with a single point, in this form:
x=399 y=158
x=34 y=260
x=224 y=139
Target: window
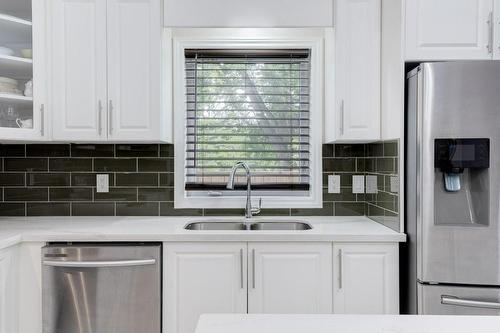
x=254 y=102
x=251 y=106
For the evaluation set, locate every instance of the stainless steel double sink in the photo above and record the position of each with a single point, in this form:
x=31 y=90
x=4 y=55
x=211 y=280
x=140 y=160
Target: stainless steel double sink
x=238 y=225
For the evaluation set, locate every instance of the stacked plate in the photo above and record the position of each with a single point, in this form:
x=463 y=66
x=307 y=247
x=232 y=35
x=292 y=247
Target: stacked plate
x=9 y=86
x=6 y=51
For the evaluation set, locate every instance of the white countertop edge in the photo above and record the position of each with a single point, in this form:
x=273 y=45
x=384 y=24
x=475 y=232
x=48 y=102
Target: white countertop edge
x=91 y=229
x=328 y=323
x=8 y=241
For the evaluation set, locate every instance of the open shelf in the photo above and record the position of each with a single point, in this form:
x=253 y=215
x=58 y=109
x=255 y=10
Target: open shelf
x=18 y=8
x=18 y=100
x=15 y=20
x=14 y=30
x=16 y=67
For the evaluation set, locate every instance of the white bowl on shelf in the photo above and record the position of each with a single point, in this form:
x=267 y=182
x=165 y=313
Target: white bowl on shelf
x=6 y=51
x=7 y=81
x=27 y=53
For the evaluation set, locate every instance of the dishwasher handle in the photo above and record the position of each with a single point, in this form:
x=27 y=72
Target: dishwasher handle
x=97 y=264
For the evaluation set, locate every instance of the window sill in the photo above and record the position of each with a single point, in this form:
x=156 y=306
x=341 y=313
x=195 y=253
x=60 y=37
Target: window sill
x=240 y=201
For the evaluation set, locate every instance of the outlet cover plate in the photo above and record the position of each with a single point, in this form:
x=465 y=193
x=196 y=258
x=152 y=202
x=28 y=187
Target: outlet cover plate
x=371 y=184
x=394 y=184
x=333 y=183
x=358 y=184
x=102 y=183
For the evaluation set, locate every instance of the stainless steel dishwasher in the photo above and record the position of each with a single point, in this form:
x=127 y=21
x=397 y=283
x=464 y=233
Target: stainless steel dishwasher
x=101 y=288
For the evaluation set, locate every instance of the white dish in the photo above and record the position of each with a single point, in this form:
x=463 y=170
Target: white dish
x=27 y=53
x=6 y=51
x=12 y=91
x=5 y=81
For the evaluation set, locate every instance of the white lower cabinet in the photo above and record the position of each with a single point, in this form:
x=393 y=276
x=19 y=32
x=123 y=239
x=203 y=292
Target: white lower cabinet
x=202 y=278
x=29 y=291
x=212 y=278
x=277 y=277
x=8 y=290
x=366 y=279
x=290 y=278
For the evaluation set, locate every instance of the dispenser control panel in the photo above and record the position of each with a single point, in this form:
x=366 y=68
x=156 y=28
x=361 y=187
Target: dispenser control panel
x=453 y=155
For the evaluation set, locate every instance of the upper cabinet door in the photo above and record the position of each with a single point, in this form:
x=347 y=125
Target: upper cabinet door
x=22 y=111
x=366 y=279
x=202 y=278
x=290 y=278
x=496 y=30
x=134 y=70
x=449 y=29
x=357 y=71
x=77 y=44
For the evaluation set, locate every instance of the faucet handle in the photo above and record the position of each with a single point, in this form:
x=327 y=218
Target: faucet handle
x=256 y=211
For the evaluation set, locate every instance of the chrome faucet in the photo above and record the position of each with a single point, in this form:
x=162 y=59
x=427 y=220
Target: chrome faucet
x=249 y=211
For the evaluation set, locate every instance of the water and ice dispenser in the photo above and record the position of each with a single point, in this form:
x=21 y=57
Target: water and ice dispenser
x=461 y=186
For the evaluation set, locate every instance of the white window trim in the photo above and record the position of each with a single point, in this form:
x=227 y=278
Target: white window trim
x=248 y=38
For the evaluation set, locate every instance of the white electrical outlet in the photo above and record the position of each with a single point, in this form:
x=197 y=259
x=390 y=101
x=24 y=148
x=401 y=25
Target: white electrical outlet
x=394 y=184
x=358 y=184
x=102 y=183
x=333 y=183
x=371 y=184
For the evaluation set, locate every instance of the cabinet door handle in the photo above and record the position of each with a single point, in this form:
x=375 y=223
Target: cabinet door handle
x=490 y=33
x=42 y=120
x=342 y=117
x=99 y=106
x=340 y=268
x=253 y=268
x=241 y=268
x=110 y=117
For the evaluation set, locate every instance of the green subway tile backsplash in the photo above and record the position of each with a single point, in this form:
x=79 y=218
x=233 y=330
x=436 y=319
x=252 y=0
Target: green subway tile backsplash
x=37 y=180
x=382 y=161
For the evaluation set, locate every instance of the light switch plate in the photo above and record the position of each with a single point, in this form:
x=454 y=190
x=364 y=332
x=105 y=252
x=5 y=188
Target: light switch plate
x=394 y=184
x=333 y=183
x=102 y=183
x=371 y=184
x=358 y=184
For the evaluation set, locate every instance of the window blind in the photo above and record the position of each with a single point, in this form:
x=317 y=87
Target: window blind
x=251 y=106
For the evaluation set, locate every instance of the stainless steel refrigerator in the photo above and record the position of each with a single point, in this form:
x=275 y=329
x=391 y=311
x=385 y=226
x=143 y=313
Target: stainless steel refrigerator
x=453 y=189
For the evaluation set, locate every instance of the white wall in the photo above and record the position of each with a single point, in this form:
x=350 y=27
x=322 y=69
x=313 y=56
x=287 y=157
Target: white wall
x=392 y=70
x=248 y=13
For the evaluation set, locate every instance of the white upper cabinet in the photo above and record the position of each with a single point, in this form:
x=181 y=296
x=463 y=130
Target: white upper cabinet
x=106 y=70
x=202 y=278
x=366 y=279
x=134 y=70
x=251 y=14
x=496 y=30
x=77 y=43
x=450 y=29
x=290 y=278
x=355 y=114
x=23 y=113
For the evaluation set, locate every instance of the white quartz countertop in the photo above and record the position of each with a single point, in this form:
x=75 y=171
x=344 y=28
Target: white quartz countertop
x=262 y=323
x=32 y=229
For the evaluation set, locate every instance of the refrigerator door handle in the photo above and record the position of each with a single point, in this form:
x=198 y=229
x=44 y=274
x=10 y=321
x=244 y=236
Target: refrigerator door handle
x=453 y=300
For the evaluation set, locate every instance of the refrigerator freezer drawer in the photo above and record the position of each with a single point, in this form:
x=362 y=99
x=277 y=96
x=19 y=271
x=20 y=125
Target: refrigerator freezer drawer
x=451 y=300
